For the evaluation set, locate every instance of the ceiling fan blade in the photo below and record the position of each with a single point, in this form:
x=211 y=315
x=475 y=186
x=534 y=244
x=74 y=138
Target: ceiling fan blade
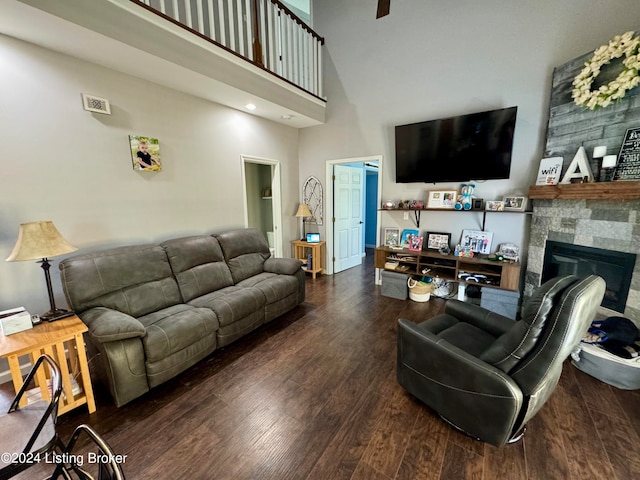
x=383 y=8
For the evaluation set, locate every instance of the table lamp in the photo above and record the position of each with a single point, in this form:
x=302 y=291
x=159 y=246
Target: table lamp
x=303 y=212
x=40 y=240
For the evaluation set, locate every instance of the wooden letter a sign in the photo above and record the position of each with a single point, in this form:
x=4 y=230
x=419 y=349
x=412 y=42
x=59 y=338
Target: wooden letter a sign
x=579 y=168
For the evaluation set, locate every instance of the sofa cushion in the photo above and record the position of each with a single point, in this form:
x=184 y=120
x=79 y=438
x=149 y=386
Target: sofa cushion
x=232 y=304
x=198 y=264
x=245 y=251
x=135 y=280
x=175 y=328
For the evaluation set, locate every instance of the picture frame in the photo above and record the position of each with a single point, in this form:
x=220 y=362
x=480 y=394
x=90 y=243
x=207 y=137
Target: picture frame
x=442 y=198
x=406 y=237
x=392 y=237
x=437 y=240
x=415 y=243
x=509 y=251
x=494 y=205
x=514 y=203
x=478 y=240
x=145 y=153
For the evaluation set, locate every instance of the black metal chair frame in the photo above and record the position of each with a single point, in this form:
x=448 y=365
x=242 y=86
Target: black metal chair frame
x=69 y=468
x=26 y=458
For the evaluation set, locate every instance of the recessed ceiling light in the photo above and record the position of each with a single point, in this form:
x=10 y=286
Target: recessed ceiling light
x=286 y=117
x=250 y=106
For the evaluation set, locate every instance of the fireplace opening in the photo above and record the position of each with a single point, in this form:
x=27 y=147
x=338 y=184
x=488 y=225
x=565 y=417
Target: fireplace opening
x=616 y=268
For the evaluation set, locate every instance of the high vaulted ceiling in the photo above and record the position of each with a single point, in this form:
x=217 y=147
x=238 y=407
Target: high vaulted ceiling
x=120 y=35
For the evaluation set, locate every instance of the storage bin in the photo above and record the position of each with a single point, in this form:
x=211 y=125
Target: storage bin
x=504 y=302
x=394 y=285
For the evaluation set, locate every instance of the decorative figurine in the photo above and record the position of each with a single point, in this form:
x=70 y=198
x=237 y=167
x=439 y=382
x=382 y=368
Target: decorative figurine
x=465 y=199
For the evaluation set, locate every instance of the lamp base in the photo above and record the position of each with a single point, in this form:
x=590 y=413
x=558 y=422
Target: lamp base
x=57 y=314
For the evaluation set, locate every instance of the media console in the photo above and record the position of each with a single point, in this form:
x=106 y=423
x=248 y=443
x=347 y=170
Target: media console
x=497 y=274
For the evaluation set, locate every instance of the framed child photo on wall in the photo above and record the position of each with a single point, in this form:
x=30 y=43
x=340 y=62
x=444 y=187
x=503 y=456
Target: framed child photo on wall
x=145 y=153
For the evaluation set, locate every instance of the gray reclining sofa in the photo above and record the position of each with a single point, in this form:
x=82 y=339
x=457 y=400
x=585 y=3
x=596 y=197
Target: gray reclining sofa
x=155 y=310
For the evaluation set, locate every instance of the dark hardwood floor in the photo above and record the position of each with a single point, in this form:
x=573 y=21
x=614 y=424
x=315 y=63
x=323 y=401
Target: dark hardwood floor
x=313 y=395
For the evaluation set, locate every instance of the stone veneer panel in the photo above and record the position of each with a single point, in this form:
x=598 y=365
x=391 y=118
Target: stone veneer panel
x=609 y=224
x=612 y=225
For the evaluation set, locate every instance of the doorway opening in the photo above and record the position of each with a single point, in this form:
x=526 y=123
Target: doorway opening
x=353 y=210
x=262 y=200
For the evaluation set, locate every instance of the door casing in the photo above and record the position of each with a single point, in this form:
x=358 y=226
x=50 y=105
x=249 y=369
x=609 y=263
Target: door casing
x=329 y=202
x=276 y=200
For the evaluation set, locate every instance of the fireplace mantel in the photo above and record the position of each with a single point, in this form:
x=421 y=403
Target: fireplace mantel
x=620 y=190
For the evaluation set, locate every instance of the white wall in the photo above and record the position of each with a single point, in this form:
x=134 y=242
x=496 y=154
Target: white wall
x=61 y=163
x=429 y=60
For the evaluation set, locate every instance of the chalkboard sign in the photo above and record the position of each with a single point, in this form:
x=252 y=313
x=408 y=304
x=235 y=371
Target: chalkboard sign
x=629 y=158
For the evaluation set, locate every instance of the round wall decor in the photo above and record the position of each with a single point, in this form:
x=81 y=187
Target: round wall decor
x=626 y=45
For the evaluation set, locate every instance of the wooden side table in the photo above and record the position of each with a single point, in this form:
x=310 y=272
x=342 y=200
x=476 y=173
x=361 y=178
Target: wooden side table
x=63 y=341
x=317 y=255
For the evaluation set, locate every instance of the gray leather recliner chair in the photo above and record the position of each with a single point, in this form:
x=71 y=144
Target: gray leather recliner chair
x=488 y=375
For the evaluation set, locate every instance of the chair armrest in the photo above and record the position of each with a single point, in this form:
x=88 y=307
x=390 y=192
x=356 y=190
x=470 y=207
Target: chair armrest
x=107 y=325
x=489 y=321
x=282 y=266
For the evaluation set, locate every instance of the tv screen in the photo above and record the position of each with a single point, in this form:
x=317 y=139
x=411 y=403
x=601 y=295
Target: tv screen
x=475 y=146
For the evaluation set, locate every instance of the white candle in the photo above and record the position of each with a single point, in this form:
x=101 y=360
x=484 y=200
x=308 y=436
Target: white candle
x=609 y=161
x=600 y=151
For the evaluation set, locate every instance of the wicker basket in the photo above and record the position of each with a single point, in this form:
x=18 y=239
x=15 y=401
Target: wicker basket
x=419 y=291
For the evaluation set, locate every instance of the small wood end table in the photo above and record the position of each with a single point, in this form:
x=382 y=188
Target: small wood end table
x=317 y=255
x=62 y=340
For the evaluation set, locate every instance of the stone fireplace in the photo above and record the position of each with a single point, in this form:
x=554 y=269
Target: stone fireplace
x=603 y=215
x=606 y=224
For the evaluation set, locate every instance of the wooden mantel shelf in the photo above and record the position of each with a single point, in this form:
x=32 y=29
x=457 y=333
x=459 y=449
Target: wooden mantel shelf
x=620 y=190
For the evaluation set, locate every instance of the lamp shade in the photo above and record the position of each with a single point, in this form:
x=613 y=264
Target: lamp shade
x=303 y=211
x=38 y=240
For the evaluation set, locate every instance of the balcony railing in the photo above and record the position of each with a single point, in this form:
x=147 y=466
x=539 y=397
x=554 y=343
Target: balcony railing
x=263 y=32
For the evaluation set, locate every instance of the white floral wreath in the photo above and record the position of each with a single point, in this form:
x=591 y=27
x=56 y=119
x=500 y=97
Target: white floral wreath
x=620 y=45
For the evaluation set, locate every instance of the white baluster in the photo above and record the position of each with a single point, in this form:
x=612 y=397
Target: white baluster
x=212 y=29
x=200 y=16
x=176 y=11
x=187 y=9
x=223 y=33
x=232 y=28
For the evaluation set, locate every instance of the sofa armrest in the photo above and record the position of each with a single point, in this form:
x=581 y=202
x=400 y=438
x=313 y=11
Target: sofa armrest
x=107 y=325
x=282 y=266
x=489 y=321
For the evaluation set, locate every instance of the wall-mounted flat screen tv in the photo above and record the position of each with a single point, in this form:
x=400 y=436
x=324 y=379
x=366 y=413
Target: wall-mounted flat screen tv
x=475 y=146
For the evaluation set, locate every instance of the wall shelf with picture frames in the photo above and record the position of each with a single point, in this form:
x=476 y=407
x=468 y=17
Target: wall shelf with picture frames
x=417 y=213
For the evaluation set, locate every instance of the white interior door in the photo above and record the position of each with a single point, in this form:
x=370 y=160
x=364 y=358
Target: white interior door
x=348 y=188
